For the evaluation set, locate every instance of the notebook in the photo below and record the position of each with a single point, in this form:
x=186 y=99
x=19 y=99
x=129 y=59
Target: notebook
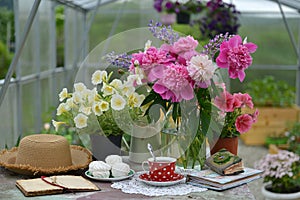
x=55 y=185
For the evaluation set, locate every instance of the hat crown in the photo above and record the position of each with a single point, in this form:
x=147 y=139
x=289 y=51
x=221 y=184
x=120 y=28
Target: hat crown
x=44 y=151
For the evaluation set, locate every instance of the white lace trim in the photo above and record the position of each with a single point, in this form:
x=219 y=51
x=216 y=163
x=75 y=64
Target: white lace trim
x=133 y=186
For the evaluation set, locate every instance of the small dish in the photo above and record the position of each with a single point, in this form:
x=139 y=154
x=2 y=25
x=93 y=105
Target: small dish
x=178 y=178
x=130 y=174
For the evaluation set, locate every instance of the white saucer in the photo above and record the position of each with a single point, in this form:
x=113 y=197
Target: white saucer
x=130 y=174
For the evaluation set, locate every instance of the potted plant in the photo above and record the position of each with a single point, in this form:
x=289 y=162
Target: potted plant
x=180 y=11
x=92 y=111
x=276 y=102
x=234 y=122
x=218 y=17
x=281 y=173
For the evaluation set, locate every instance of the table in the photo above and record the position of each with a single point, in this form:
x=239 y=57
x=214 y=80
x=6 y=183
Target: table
x=8 y=190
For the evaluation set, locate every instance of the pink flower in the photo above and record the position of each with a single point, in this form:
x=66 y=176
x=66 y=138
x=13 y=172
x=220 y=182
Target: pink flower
x=255 y=115
x=244 y=99
x=235 y=56
x=184 y=44
x=225 y=101
x=243 y=123
x=173 y=84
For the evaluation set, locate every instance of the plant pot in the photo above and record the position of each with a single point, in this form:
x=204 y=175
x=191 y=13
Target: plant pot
x=183 y=18
x=168 y=18
x=272 y=195
x=103 y=146
x=231 y=144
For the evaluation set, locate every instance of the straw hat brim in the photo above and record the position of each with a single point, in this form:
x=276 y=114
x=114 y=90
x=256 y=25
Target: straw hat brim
x=81 y=158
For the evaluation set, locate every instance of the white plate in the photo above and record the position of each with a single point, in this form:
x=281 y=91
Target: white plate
x=130 y=174
x=167 y=183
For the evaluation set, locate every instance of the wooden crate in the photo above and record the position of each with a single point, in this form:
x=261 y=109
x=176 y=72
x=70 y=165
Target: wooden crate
x=271 y=122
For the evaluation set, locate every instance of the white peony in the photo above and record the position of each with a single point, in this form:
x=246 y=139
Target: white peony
x=80 y=120
x=201 y=69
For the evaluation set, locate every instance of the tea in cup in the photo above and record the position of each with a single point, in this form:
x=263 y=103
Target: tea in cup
x=162 y=169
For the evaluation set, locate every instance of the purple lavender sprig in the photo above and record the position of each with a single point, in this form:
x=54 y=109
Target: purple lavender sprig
x=120 y=60
x=214 y=44
x=163 y=33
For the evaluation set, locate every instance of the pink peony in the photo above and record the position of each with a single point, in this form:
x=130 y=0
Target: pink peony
x=235 y=56
x=184 y=44
x=243 y=123
x=173 y=84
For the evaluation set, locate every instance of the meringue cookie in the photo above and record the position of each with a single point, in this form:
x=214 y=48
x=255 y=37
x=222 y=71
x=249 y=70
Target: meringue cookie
x=101 y=174
x=112 y=159
x=120 y=169
x=99 y=166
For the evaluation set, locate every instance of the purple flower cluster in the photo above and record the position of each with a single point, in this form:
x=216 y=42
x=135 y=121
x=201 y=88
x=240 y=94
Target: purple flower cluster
x=278 y=165
x=163 y=33
x=121 y=60
x=221 y=17
x=214 y=44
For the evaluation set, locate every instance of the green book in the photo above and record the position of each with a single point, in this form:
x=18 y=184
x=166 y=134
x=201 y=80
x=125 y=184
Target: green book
x=225 y=163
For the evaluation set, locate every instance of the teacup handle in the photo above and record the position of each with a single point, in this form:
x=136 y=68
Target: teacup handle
x=143 y=163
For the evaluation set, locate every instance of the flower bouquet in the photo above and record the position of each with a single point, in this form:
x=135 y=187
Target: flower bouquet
x=178 y=77
x=181 y=79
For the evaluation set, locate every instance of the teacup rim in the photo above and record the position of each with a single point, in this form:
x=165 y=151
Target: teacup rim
x=162 y=158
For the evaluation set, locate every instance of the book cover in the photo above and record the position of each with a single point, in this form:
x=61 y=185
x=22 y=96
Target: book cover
x=55 y=185
x=213 y=180
x=225 y=163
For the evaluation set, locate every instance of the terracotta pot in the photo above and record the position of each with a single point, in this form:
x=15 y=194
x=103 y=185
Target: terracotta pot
x=231 y=144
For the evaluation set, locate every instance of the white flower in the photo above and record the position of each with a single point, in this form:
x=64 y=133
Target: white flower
x=107 y=90
x=97 y=109
x=128 y=89
x=79 y=87
x=62 y=108
x=85 y=110
x=135 y=100
x=57 y=124
x=99 y=76
x=201 y=69
x=117 y=102
x=147 y=45
x=63 y=94
x=104 y=106
x=116 y=83
x=70 y=103
x=77 y=97
x=80 y=120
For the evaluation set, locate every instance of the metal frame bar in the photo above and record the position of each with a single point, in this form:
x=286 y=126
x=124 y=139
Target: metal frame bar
x=293 y=41
x=15 y=60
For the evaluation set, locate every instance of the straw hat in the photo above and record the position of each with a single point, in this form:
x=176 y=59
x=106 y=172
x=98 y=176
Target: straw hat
x=44 y=154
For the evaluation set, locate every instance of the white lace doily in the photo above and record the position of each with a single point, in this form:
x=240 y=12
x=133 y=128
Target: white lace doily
x=133 y=186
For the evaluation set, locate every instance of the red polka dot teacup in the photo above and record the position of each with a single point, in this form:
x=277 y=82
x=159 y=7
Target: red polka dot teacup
x=161 y=170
